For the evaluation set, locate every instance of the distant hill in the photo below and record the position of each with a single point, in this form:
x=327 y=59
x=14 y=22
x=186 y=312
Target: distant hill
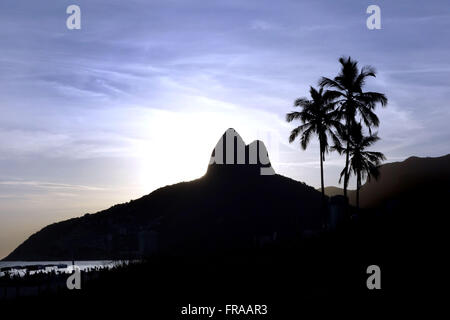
x=332 y=191
x=239 y=203
x=399 y=179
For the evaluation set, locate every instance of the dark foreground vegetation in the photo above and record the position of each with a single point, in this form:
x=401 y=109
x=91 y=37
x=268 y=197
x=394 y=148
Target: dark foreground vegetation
x=320 y=274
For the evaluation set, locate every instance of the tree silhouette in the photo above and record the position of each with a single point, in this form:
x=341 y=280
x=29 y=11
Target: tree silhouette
x=364 y=164
x=318 y=116
x=351 y=100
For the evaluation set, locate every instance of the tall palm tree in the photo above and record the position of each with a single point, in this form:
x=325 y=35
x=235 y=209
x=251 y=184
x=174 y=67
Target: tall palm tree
x=364 y=164
x=318 y=116
x=348 y=85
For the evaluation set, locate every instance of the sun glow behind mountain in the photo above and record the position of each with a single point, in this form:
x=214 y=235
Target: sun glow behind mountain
x=176 y=146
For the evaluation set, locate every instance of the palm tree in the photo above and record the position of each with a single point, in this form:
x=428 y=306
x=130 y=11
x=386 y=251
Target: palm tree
x=318 y=116
x=364 y=164
x=348 y=85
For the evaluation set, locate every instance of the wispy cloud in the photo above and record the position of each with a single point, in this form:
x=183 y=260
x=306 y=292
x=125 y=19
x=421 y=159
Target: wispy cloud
x=49 y=185
x=263 y=25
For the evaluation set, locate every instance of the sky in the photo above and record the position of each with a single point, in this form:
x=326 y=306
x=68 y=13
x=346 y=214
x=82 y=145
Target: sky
x=138 y=97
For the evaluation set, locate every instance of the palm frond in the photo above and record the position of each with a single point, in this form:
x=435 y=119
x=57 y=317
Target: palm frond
x=306 y=136
x=374 y=98
x=301 y=102
x=327 y=82
x=296 y=132
x=294 y=115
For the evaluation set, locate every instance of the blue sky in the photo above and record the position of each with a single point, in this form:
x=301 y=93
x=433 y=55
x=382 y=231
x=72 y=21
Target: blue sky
x=138 y=97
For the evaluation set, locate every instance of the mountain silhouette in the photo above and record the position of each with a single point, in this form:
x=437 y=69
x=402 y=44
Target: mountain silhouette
x=232 y=156
x=239 y=203
x=424 y=176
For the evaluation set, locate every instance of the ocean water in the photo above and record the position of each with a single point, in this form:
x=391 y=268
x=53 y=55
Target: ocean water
x=20 y=267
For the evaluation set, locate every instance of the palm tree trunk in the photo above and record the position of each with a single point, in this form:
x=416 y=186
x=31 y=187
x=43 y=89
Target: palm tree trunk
x=321 y=172
x=347 y=154
x=347 y=159
x=324 y=214
x=358 y=185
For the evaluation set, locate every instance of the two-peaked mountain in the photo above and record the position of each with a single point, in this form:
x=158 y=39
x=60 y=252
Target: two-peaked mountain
x=239 y=203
